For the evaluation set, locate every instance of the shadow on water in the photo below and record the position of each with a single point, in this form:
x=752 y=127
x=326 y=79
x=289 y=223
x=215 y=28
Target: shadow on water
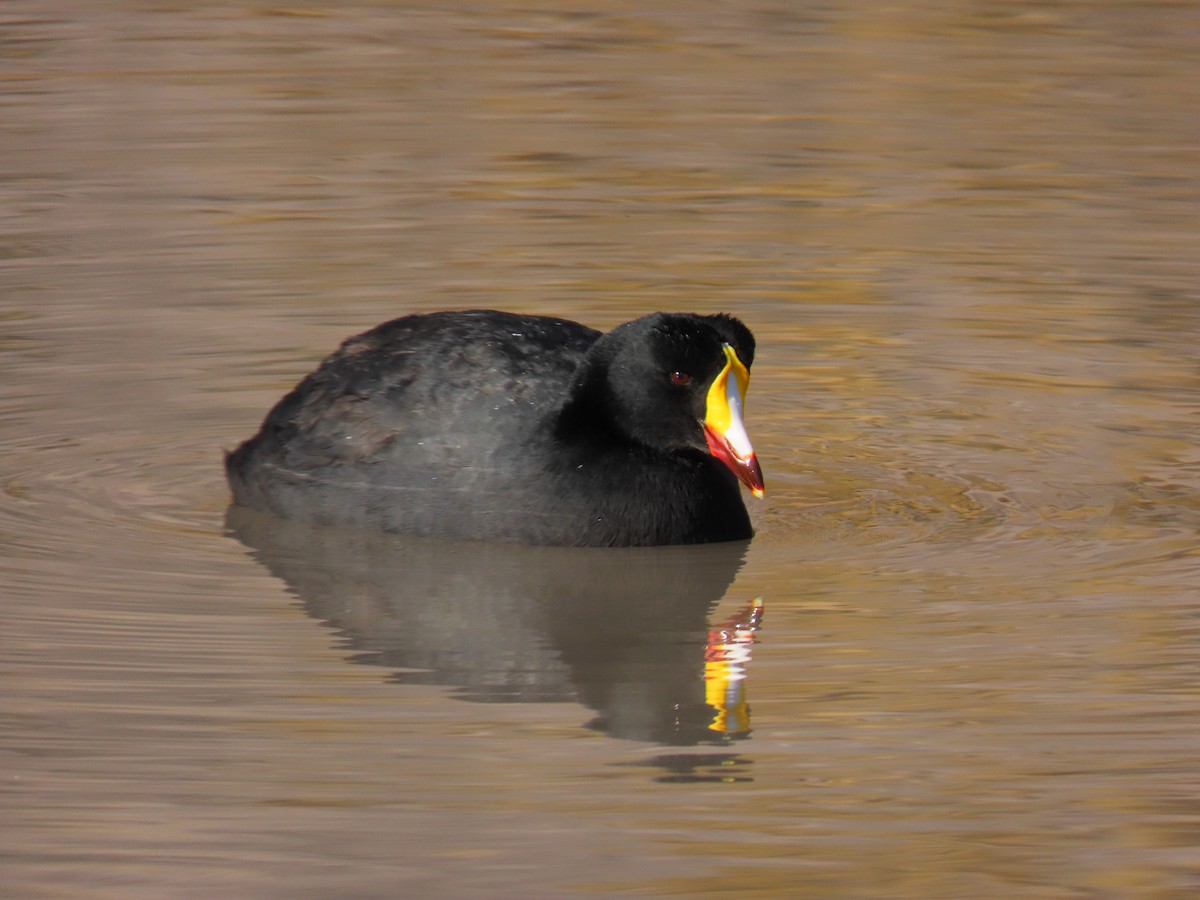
x=624 y=632
x=699 y=768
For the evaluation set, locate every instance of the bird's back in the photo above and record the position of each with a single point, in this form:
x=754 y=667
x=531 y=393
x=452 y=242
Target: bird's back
x=418 y=412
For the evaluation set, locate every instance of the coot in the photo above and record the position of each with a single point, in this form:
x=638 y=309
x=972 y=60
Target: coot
x=486 y=425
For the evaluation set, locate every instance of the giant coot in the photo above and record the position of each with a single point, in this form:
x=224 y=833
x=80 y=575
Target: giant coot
x=486 y=425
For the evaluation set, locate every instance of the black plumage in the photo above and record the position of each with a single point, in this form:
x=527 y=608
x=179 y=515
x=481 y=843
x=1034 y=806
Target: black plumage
x=486 y=425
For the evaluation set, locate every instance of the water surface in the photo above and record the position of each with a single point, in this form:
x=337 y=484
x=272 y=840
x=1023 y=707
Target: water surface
x=958 y=659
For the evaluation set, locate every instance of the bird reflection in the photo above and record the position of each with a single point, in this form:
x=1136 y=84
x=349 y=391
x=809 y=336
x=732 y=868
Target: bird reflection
x=625 y=632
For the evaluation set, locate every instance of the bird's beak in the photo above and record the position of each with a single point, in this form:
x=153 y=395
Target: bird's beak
x=723 y=427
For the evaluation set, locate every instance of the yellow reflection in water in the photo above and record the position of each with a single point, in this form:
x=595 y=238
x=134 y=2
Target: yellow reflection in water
x=725 y=658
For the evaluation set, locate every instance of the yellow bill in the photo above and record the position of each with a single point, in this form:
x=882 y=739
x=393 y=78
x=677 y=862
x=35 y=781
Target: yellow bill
x=723 y=426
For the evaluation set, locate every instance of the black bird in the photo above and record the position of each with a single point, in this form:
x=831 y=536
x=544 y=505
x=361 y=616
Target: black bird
x=485 y=425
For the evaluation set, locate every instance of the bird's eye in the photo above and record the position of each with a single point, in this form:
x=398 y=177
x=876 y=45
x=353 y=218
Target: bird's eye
x=681 y=378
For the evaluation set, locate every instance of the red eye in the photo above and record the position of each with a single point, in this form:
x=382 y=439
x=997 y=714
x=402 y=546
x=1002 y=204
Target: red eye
x=681 y=378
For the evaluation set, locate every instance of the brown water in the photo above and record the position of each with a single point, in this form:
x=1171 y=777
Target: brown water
x=966 y=235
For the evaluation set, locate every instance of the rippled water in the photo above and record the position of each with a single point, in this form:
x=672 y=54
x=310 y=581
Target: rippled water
x=960 y=657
